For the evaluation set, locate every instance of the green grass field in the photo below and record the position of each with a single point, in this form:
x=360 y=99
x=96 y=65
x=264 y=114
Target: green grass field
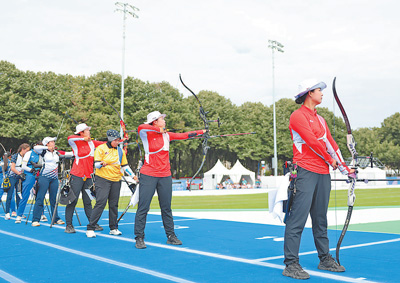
x=364 y=198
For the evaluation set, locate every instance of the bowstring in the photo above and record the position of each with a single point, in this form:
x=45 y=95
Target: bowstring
x=334 y=172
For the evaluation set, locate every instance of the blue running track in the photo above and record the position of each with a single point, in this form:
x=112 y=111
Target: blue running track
x=212 y=251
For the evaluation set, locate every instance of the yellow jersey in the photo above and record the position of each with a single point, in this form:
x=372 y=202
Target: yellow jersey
x=112 y=171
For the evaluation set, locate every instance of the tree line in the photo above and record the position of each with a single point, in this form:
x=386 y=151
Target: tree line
x=39 y=104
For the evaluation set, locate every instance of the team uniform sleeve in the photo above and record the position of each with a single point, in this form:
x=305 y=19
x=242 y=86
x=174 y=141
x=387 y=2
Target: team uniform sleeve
x=40 y=148
x=149 y=128
x=184 y=136
x=125 y=166
x=67 y=154
x=98 y=154
x=25 y=161
x=72 y=139
x=304 y=130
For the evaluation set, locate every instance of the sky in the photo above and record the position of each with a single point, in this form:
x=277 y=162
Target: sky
x=220 y=45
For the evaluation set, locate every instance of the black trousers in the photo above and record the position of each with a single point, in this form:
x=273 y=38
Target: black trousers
x=78 y=185
x=147 y=187
x=105 y=190
x=312 y=197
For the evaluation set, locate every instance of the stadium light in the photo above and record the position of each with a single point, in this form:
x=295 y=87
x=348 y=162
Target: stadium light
x=274 y=45
x=130 y=10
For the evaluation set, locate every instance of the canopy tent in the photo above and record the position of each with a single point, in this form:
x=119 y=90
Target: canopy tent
x=215 y=176
x=238 y=171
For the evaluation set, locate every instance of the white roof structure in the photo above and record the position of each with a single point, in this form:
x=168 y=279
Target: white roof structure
x=215 y=175
x=238 y=171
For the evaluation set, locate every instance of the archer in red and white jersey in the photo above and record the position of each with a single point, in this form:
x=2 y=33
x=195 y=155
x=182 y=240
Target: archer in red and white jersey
x=81 y=173
x=155 y=174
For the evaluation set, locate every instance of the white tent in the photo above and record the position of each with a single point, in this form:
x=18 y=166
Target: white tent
x=215 y=176
x=238 y=171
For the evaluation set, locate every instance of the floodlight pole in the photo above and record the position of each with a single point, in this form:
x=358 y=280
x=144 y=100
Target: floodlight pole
x=125 y=8
x=274 y=45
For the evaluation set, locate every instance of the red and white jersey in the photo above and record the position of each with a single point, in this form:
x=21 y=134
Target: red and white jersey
x=156 y=147
x=314 y=149
x=84 y=155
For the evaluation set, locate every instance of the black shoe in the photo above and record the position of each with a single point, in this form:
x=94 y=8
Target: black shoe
x=140 y=243
x=173 y=240
x=70 y=229
x=295 y=271
x=328 y=263
x=97 y=227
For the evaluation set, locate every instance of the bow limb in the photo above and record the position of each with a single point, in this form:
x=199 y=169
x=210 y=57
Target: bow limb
x=206 y=135
x=351 y=145
x=3 y=148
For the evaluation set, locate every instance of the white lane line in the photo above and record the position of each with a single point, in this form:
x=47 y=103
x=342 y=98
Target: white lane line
x=155 y=221
x=265 y=237
x=334 y=249
x=99 y=258
x=232 y=258
x=9 y=278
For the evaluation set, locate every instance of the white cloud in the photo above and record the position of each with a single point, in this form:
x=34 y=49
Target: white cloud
x=220 y=45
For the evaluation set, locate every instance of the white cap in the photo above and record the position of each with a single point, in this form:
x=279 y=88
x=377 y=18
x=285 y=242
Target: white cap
x=46 y=140
x=81 y=128
x=309 y=85
x=154 y=116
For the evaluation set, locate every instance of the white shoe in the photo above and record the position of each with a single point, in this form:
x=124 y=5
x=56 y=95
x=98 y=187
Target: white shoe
x=14 y=213
x=90 y=234
x=7 y=217
x=115 y=232
x=35 y=224
x=18 y=220
x=43 y=218
x=60 y=222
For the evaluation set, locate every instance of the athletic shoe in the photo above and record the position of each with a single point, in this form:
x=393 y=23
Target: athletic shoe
x=140 y=243
x=115 y=232
x=90 y=234
x=35 y=224
x=7 y=216
x=329 y=263
x=97 y=227
x=173 y=240
x=43 y=218
x=60 y=222
x=70 y=229
x=295 y=271
x=18 y=220
x=14 y=213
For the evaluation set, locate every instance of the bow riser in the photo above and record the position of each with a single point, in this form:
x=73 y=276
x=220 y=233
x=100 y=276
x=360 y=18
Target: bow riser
x=351 y=145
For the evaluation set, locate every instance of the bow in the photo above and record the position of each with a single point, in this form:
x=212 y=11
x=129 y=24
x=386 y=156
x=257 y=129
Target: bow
x=126 y=138
x=206 y=135
x=3 y=148
x=123 y=127
x=351 y=144
x=62 y=121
